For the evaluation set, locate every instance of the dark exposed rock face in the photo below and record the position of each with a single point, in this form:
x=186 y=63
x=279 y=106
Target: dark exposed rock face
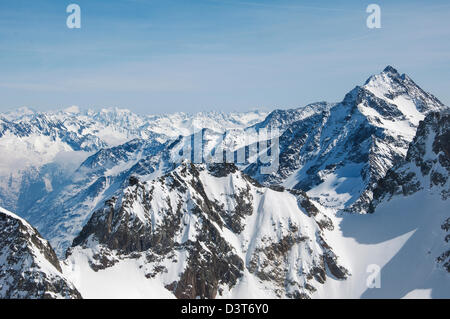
x=179 y=219
x=30 y=268
x=222 y=169
x=207 y=270
x=133 y=180
x=444 y=258
x=211 y=261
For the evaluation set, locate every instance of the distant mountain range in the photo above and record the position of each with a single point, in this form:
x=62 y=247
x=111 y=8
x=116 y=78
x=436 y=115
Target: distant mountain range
x=133 y=207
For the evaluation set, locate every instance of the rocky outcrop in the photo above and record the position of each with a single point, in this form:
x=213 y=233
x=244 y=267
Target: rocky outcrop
x=218 y=226
x=444 y=258
x=427 y=163
x=29 y=266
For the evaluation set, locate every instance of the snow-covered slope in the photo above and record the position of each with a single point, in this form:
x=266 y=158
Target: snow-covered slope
x=205 y=232
x=29 y=267
x=407 y=235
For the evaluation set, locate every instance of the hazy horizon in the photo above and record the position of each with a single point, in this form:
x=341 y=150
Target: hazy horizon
x=159 y=57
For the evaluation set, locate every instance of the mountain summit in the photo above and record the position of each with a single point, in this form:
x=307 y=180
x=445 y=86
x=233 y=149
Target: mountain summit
x=337 y=154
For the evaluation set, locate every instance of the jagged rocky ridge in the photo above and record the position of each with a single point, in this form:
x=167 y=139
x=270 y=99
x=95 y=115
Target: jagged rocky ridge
x=203 y=229
x=29 y=266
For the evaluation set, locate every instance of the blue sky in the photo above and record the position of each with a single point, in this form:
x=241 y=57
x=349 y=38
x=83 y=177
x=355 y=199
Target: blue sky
x=159 y=56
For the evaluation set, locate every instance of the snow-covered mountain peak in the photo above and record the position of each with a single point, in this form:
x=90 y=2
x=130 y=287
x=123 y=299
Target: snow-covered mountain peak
x=390 y=69
x=399 y=90
x=74 y=109
x=18 y=113
x=388 y=75
x=337 y=153
x=281 y=119
x=115 y=109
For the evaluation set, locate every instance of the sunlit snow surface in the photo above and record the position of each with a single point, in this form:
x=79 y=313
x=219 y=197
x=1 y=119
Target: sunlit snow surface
x=403 y=237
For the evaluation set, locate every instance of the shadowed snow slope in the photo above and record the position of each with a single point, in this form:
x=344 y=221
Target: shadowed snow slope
x=408 y=233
